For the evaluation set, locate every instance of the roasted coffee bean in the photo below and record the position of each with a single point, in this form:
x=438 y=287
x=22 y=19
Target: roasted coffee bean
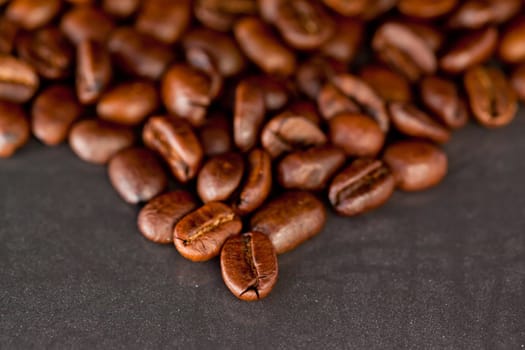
x=331 y=102
x=121 y=8
x=95 y=141
x=426 y=9
x=290 y=219
x=223 y=50
x=348 y=8
x=518 y=81
x=376 y=8
x=307 y=109
x=137 y=175
x=287 y=132
x=312 y=74
x=262 y=47
x=83 y=23
x=416 y=165
x=14 y=128
x=219 y=177
x=398 y=46
x=362 y=186
x=94 y=71
x=512 y=45
x=311 y=169
x=139 y=54
x=175 y=141
x=157 y=219
x=492 y=99
x=389 y=85
x=304 y=24
x=215 y=135
x=53 y=113
x=442 y=98
x=221 y=15
x=248 y=114
x=165 y=20
x=18 y=80
x=356 y=134
x=430 y=34
x=276 y=91
x=48 y=51
x=128 y=103
x=199 y=235
x=8 y=31
x=470 y=49
x=344 y=44
x=476 y=14
x=249 y=266
x=256 y=184
x=411 y=121
x=31 y=14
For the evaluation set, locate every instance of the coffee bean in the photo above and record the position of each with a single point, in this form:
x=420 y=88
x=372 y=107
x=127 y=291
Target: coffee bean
x=8 y=32
x=512 y=45
x=411 y=121
x=221 y=15
x=262 y=47
x=348 y=8
x=83 y=23
x=389 y=85
x=121 y=8
x=31 y=14
x=311 y=169
x=287 y=132
x=128 y=103
x=18 y=80
x=345 y=42
x=313 y=73
x=95 y=141
x=431 y=35
x=136 y=175
x=518 y=81
x=249 y=266
x=416 y=165
x=362 y=186
x=219 y=177
x=475 y=14
x=492 y=99
x=470 y=49
x=94 y=71
x=426 y=9
x=307 y=109
x=165 y=20
x=176 y=142
x=442 y=98
x=276 y=91
x=376 y=8
x=14 y=128
x=157 y=219
x=290 y=219
x=199 y=235
x=53 y=113
x=215 y=135
x=331 y=102
x=356 y=134
x=248 y=115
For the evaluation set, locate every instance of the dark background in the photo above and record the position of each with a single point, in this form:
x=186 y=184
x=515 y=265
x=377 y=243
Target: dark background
x=443 y=268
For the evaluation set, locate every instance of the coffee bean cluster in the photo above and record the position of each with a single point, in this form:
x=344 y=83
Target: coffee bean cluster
x=259 y=108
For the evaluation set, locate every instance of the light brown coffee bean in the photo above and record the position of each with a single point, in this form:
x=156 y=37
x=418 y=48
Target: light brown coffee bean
x=121 y=8
x=356 y=134
x=512 y=44
x=426 y=9
x=94 y=71
x=14 y=128
x=18 y=80
x=518 y=81
x=31 y=14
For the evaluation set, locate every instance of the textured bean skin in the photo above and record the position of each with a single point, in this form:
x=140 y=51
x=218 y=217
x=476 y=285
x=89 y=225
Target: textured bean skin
x=14 y=128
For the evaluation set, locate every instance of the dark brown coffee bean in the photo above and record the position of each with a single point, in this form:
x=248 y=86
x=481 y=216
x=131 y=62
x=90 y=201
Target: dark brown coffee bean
x=83 y=23
x=470 y=49
x=94 y=71
x=288 y=132
x=31 y=14
x=307 y=109
x=262 y=47
x=348 y=8
x=404 y=50
x=139 y=54
x=313 y=73
x=442 y=98
x=165 y=20
x=249 y=266
x=18 y=80
x=48 y=51
x=426 y=9
x=311 y=169
x=137 y=175
x=518 y=81
x=176 y=142
x=158 y=218
x=411 y=121
x=290 y=219
x=95 y=141
x=221 y=15
x=430 y=34
x=492 y=99
x=199 y=235
x=389 y=85
x=249 y=114
x=416 y=165
x=14 y=128
x=8 y=31
x=331 y=102
x=356 y=134
x=362 y=186
x=376 y=8
x=304 y=24
x=128 y=103
x=219 y=177
x=512 y=44
x=256 y=184
x=344 y=44
x=121 y=8
x=53 y=113
x=221 y=47
x=215 y=135
x=276 y=91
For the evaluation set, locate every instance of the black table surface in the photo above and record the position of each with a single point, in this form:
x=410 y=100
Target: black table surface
x=438 y=269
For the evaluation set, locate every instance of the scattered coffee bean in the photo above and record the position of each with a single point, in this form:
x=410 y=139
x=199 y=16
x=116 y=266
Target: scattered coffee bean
x=219 y=177
x=389 y=85
x=86 y=23
x=248 y=115
x=18 y=80
x=356 y=134
x=426 y=9
x=314 y=73
x=31 y=14
x=512 y=45
x=14 y=128
x=165 y=20
x=8 y=32
x=93 y=71
x=121 y=8
x=345 y=42
x=221 y=15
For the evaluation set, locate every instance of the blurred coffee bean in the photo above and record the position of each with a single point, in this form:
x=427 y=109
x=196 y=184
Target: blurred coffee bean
x=276 y=90
x=18 y=80
x=313 y=73
x=307 y=109
x=426 y=9
x=165 y=20
x=376 y=8
x=475 y=14
x=8 y=31
x=120 y=8
x=14 y=128
x=431 y=35
x=389 y=85
x=356 y=134
x=83 y=23
x=512 y=44
x=221 y=15
x=518 y=81
x=31 y=14
x=345 y=42
x=248 y=115
x=215 y=135
x=348 y=8
x=94 y=71
x=219 y=177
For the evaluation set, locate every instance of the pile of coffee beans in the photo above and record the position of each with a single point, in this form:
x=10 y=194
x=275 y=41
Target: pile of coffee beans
x=262 y=109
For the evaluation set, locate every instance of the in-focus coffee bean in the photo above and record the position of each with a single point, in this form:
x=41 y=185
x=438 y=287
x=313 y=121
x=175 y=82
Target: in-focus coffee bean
x=219 y=177
x=356 y=134
x=248 y=115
